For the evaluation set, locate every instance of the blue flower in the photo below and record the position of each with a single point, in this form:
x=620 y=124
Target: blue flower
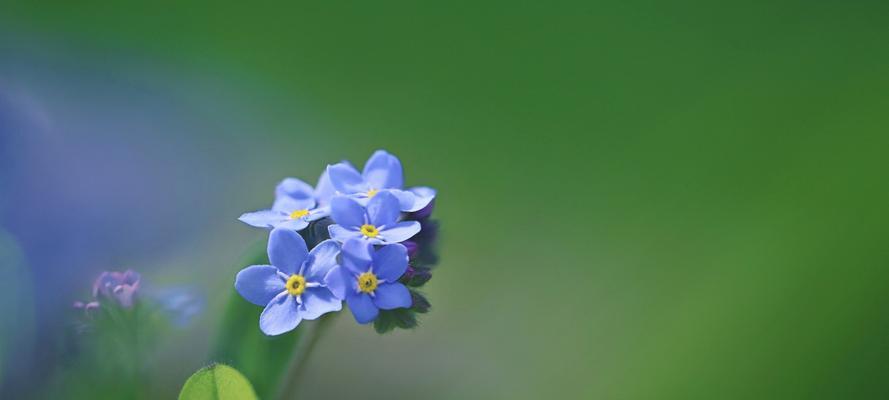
x=382 y=172
x=292 y=288
x=368 y=279
x=377 y=223
x=296 y=205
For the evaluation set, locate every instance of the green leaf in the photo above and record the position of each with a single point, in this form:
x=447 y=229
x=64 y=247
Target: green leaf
x=262 y=359
x=385 y=322
x=419 y=302
x=217 y=382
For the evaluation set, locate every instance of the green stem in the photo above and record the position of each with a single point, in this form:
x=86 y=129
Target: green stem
x=299 y=361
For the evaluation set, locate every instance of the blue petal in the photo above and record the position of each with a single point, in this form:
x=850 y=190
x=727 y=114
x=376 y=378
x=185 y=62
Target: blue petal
x=339 y=280
x=362 y=307
x=346 y=179
x=293 y=224
x=318 y=213
x=400 y=232
x=424 y=196
x=424 y=202
x=280 y=315
x=383 y=171
x=390 y=262
x=323 y=258
x=383 y=209
x=288 y=205
x=318 y=301
x=406 y=199
x=341 y=234
x=324 y=190
x=392 y=295
x=259 y=284
x=357 y=255
x=414 y=199
x=263 y=219
x=347 y=212
x=294 y=188
x=287 y=250
x=423 y=192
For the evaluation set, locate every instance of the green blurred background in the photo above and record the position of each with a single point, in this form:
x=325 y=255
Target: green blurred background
x=638 y=199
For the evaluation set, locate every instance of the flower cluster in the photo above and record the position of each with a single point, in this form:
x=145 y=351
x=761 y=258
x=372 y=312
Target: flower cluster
x=115 y=292
x=371 y=246
x=111 y=287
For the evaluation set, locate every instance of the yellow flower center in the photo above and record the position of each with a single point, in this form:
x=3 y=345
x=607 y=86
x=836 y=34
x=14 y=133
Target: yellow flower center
x=369 y=231
x=372 y=193
x=299 y=214
x=367 y=282
x=296 y=285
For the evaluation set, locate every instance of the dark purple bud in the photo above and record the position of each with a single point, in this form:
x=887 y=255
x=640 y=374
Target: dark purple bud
x=412 y=247
x=408 y=274
x=415 y=276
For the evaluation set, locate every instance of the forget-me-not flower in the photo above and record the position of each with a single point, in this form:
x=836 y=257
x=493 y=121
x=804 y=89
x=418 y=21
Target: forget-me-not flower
x=368 y=279
x=292 y=288
x=377 y=223
x=296 y=205
x=382 y=172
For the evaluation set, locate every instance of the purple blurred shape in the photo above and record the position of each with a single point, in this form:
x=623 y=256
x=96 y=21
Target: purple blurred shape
x=119 y=287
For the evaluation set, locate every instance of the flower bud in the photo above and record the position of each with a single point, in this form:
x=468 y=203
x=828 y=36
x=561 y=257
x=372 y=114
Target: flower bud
x=416 y=276
x=412 y=248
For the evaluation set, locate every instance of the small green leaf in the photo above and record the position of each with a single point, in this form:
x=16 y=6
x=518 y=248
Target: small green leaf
x=404 y=318
x=419 y=302
x=217 y=382
x=385 y=322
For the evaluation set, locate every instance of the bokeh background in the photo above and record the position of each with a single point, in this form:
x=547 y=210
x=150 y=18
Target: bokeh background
x=638 y=199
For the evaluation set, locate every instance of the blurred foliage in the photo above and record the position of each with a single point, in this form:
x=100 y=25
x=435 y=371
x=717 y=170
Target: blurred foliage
x=16 y=307
x=110 y=353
